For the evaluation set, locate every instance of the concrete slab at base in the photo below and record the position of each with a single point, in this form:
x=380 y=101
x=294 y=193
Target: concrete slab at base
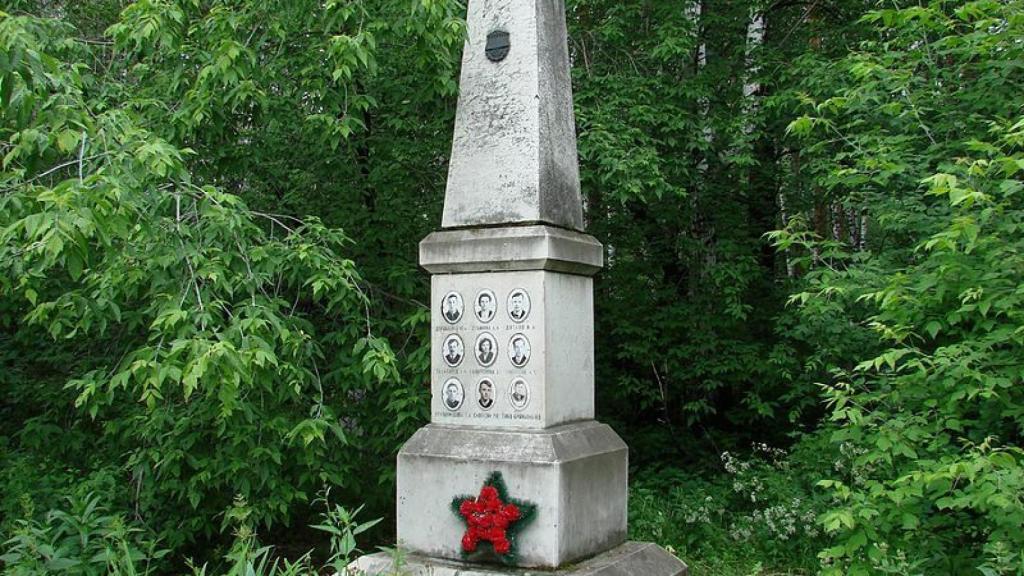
x=629 y=559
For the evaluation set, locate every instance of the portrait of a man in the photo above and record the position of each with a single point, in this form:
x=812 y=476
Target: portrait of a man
x=453 y=350
x=452 y=307
x=518 y=305
x=519 y=394
x=486 y=399
x=486 y=350
x=486 y=306
x=519 y=351
x=453 y=394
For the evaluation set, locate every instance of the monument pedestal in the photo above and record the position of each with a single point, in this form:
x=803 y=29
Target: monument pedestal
x=629 y=559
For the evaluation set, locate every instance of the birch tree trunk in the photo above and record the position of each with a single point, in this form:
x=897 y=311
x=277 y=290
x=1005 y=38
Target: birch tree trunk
x=695 y=13
x=700 y=226
x=751 y=86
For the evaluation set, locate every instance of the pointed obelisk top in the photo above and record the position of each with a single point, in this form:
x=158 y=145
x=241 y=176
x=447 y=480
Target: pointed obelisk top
x=514 y=153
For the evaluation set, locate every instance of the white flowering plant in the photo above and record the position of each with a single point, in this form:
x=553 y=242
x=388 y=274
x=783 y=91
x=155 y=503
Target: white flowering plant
x=757 y=513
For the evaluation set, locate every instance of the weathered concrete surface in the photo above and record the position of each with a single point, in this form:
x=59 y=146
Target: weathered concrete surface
x=511 y=248
x=576 y=475
x=514 y=154
x=629 y=559
x=559 y=375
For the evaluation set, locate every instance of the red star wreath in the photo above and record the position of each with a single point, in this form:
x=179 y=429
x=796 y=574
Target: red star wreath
x=492 y=518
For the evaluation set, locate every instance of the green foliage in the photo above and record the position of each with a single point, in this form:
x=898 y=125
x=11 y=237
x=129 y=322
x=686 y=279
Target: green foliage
x=81 y=541
x=224 y=350
x=750 y=516
x=681 y=186
x=85 y=541
x=178 y=332
x=921 y=129
x=341 y=525
x=247 y=557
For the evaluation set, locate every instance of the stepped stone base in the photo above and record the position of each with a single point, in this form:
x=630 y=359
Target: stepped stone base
x=629 y=559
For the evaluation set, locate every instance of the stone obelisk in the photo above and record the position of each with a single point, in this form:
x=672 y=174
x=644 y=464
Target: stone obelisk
x=512 y=325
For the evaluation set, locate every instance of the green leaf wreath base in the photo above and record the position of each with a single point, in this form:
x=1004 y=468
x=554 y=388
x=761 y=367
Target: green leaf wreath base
x=485 y=552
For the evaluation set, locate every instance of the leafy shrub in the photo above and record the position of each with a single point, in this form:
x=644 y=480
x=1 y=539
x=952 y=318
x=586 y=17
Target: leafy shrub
x=203 y=325
x=247 y=557
x=920 y=129
x=755 y=511
x=83 y=540
x=208 y=347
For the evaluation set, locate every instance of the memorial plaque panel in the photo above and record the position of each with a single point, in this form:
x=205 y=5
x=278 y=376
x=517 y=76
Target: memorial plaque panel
x=503 y=346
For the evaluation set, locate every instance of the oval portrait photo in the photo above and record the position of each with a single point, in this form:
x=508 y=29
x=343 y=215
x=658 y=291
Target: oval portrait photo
x=485 y=394
x=485 y=306
x=486 y=350
x=518 y=305
x=519 y=394
x=453 y=350
x=452 y=307
x=519 y=350
x=452 y=394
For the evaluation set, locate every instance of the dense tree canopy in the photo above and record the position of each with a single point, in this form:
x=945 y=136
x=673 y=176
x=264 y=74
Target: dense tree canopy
x=810 y=327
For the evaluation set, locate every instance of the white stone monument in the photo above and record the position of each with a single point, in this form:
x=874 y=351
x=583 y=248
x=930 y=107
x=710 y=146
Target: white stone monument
x=513 y=329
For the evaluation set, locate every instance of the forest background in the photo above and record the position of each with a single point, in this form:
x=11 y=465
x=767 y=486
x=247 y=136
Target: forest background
x=214 y=334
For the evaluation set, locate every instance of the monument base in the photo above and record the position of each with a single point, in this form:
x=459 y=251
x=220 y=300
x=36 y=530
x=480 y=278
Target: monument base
x=629 y=559
x=576 y=474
